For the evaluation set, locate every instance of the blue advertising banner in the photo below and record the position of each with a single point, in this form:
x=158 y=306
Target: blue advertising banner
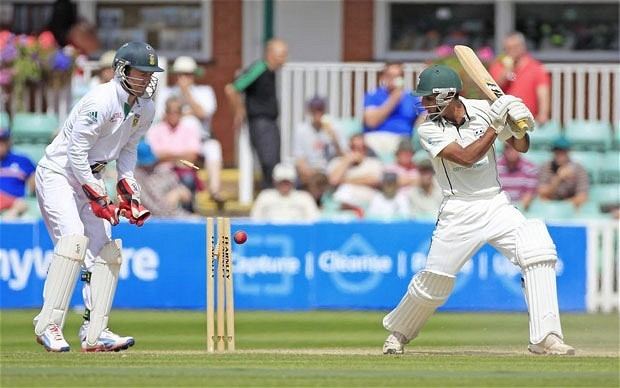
x=351 y=265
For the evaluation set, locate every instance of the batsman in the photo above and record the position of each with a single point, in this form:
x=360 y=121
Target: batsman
x=104 y=126
x=459 y=134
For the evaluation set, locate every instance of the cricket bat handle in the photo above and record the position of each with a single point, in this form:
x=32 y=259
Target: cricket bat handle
x=522 y=124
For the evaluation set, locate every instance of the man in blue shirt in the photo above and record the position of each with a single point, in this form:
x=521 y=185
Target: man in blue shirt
x=16 y=172
x=390 y=112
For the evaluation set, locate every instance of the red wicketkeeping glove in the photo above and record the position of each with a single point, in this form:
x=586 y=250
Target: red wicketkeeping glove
x=100 y=203
x=128 y=192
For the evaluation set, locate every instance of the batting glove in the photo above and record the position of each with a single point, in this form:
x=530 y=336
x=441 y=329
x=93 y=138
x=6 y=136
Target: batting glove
x=100 y=203
x=499 y=111
x=518 y=111
x=128 y=192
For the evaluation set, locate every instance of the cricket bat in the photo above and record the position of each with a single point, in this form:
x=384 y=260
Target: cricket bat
x=481 y=77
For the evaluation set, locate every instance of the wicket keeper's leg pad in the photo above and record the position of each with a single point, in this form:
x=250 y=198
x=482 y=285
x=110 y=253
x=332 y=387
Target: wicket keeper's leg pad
x=62 y=274
x=103 y=281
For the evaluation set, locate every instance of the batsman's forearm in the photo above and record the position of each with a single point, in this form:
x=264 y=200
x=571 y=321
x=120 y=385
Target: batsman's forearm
x=472 y=153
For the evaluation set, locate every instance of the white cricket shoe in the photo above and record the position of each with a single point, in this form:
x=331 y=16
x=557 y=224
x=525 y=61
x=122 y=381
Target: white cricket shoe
x=552 y=344
x=394 y=343
x=107 y=342
x=53 y=340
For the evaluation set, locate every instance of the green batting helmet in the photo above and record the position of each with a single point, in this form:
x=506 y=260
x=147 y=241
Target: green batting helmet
x=137 y=55
x=438 y=77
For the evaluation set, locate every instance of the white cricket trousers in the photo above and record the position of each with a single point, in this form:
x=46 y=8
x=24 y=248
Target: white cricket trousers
x=466 y=224
x=66 y=211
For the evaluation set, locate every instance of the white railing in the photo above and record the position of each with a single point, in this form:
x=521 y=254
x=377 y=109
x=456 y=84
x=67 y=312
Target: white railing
x=579 y=91
x=602 y=266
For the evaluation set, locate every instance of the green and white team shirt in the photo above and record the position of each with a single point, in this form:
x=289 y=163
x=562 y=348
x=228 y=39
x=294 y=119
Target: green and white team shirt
x=101 y=128
x=481 y=179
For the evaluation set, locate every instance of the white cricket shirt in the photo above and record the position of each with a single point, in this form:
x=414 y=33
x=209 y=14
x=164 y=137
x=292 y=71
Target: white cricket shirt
x=480 y=179
x=98 y=130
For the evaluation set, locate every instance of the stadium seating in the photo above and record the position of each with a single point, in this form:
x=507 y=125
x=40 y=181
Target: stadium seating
x=543 y=137
x=538 y=157
x=605 y=194
x=4 y=119
x=348 y=127
x=551 y=210
x=609 y=168
x=591 y=161
x=37 y=128
x=589 y=135
x=33 y=151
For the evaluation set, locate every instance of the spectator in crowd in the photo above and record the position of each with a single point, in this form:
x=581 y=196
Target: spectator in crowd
x=173 y=139
x=162 y=192
x=106 y=69
x=315 y=144
x=404 y=166
x=389 y=203
x=390 y=112
x=426 y=197
x=258 y=83
x=356 y=175
x=199 y=105
x=561 y=178
x=284 y=203
x=16 y=174
x=518 y=176
x=520 y=75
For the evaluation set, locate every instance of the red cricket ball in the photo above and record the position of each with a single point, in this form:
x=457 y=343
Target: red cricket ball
x=240 y=237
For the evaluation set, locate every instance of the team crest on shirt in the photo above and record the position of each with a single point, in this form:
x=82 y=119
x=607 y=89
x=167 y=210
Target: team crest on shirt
x=136 y=118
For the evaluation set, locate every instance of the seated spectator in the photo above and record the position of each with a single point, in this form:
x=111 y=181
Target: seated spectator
x=173 y=139
x=106 y=69
x=390 y=112
x=404 y=167
x=283 y=202
x=425 y=198
x=389 y=203
x=16 y=173
x=562 y=179
x=199 y=104
x=315 y=144
x=356 y=175
x=518 y=176
x=162 y=192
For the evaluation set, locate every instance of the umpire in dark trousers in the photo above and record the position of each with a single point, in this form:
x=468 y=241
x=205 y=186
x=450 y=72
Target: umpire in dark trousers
x=258 y=83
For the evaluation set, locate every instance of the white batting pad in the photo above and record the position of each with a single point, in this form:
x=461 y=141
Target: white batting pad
x=61 y=277
x=533 y=244
x=537 y=256
x=542 y=301
x=103 y=281
x=427 y=291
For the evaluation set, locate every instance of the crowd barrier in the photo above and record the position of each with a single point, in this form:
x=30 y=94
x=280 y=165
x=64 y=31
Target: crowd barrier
x=327 y=265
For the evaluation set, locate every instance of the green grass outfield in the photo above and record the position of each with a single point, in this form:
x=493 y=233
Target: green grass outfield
x=314 y=349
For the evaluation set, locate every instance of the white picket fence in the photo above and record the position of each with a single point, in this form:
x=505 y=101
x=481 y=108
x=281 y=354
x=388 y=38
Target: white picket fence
x=602 y=266
x=579 y=91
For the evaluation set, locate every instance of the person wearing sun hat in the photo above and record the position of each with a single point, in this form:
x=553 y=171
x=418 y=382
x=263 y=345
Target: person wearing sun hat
x=561 y=178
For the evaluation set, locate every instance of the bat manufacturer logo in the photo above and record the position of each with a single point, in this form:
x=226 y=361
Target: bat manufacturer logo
x=495 y=89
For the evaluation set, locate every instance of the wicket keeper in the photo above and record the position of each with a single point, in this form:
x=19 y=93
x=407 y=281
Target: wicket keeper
x=459 y=134
x=104 y=126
